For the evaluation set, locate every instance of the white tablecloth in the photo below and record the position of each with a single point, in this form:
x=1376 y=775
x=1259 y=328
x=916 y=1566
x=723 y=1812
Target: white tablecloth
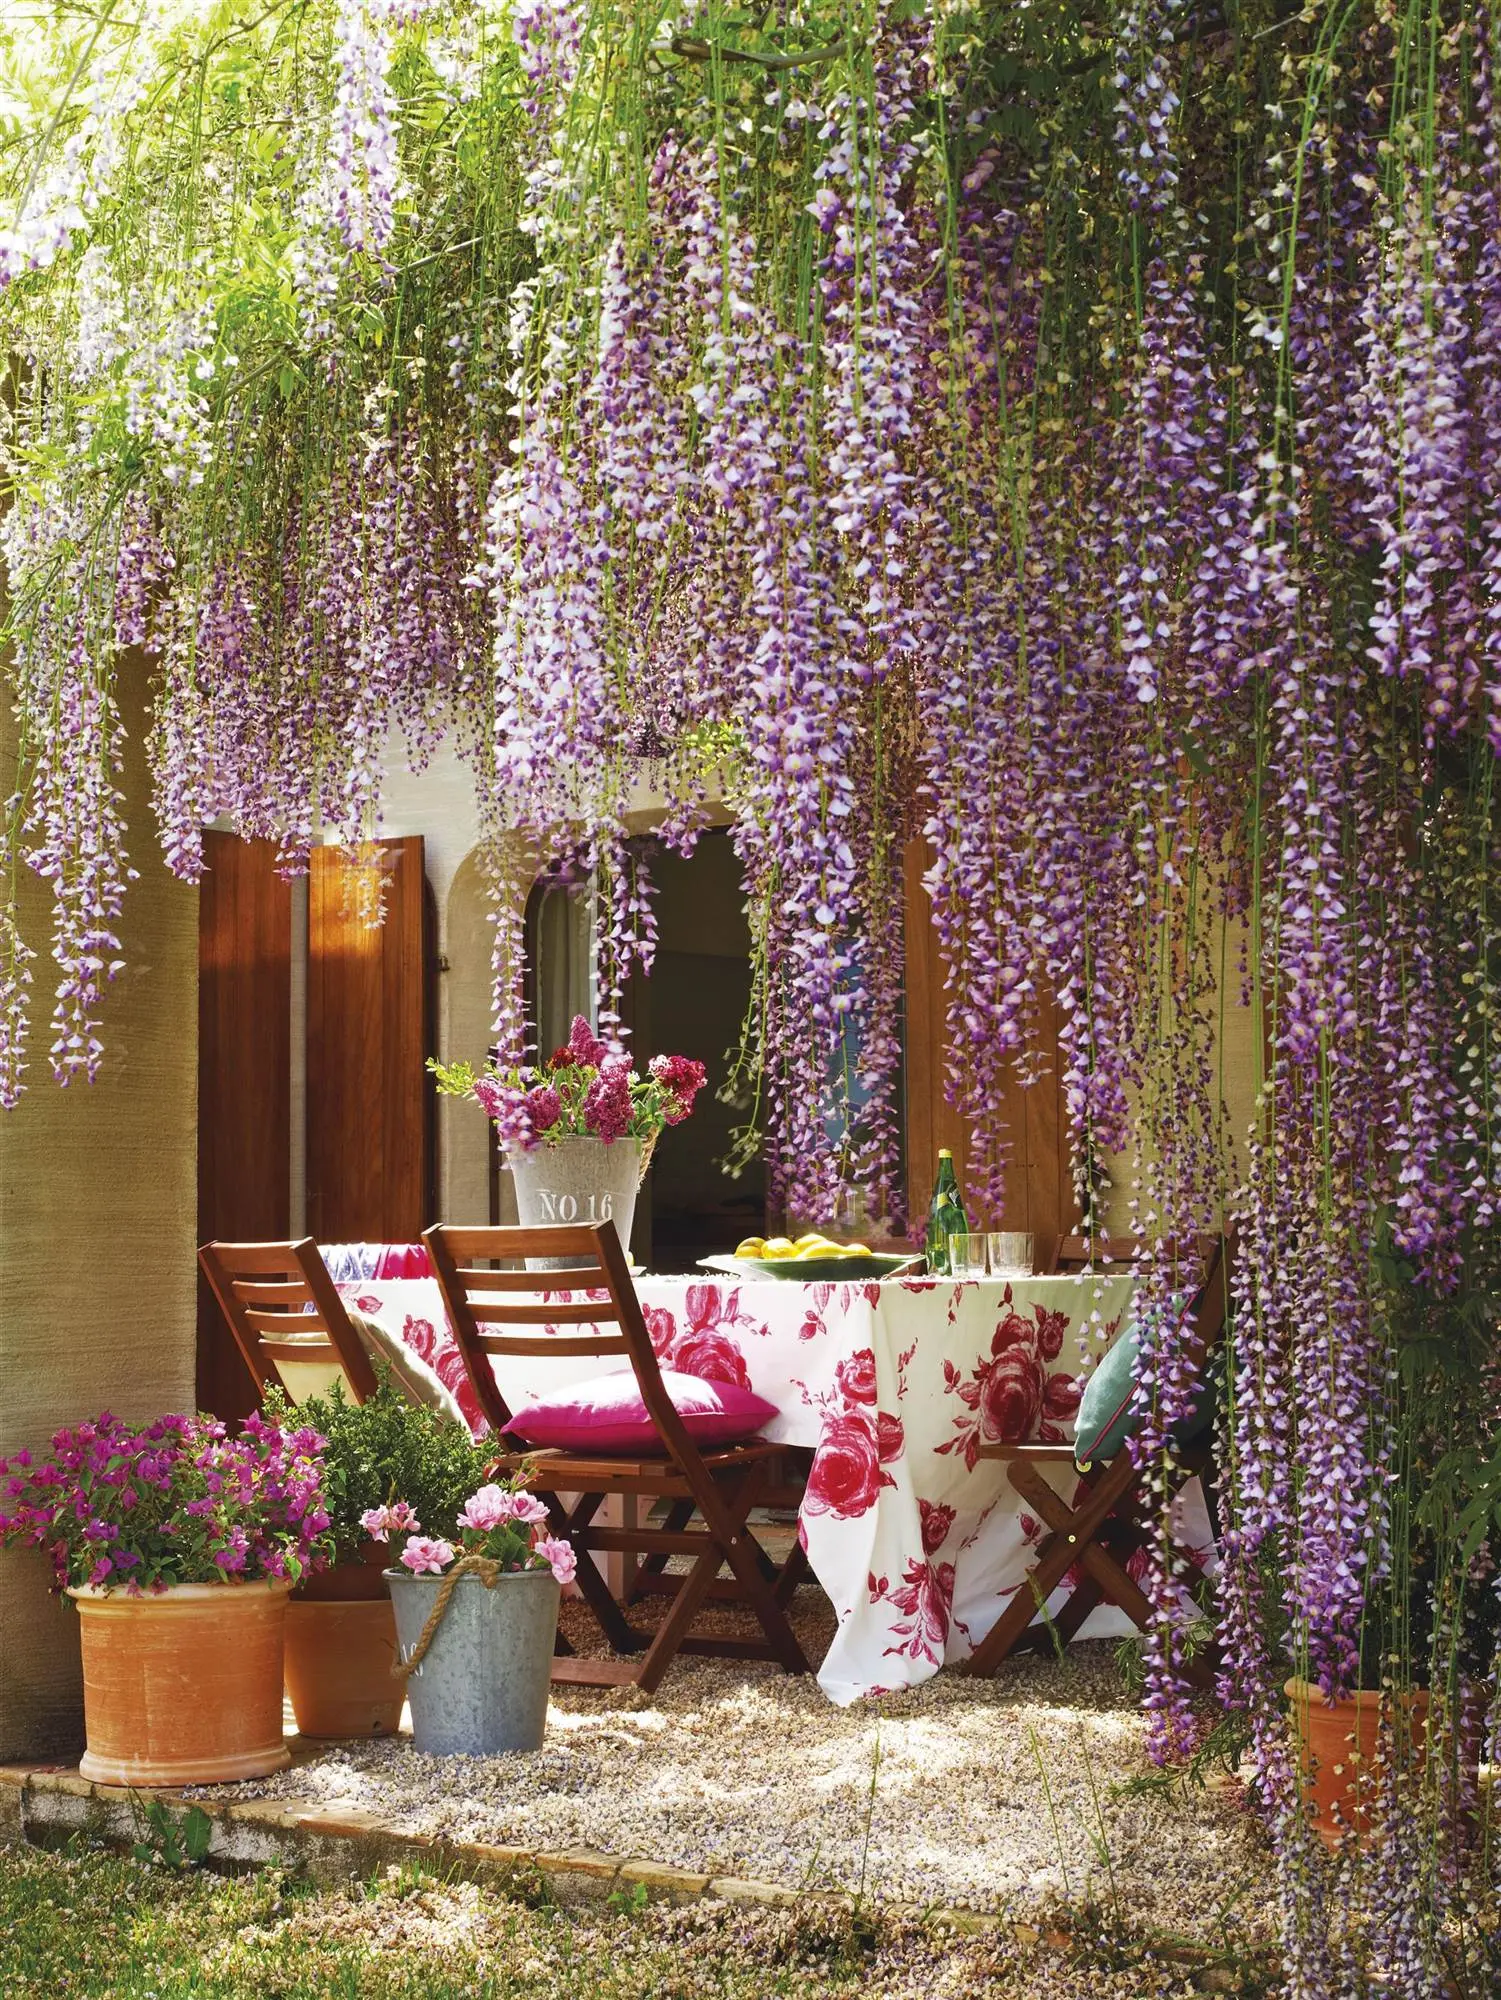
x=918 y=1543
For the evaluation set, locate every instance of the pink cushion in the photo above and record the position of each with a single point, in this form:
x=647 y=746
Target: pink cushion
x=607 y=1414
x=403 y=1260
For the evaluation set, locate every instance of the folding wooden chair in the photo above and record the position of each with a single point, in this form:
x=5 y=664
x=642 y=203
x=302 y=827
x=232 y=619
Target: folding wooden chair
x=266 y=1290
x=719 y=1486
x=1096 y=1533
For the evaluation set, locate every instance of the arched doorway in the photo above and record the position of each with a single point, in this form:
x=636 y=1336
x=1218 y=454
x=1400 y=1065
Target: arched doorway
x=694 y=1005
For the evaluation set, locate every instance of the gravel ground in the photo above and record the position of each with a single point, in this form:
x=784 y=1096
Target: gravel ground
x=999 y=1795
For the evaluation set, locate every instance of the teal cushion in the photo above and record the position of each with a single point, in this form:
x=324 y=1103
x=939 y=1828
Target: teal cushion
x=1110 y=1410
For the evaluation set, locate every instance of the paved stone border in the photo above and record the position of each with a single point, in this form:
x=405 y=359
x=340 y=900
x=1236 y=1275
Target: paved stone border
x=45 y=1805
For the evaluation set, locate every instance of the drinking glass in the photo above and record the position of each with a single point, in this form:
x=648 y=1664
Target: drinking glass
x=1010 y=1253
x=967 y=1255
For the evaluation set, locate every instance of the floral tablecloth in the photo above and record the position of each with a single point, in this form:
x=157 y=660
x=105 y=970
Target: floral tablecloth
x=918 y=1542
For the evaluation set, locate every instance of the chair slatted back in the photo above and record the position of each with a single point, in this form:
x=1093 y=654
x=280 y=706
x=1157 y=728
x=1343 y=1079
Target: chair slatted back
x=1101 y=1254
x=1208 y=1272
x=1089 y=1253
x=283 y=1308
x=483 y=1301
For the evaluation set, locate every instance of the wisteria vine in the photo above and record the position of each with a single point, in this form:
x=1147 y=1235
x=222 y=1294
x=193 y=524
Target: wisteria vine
x=1048 y=450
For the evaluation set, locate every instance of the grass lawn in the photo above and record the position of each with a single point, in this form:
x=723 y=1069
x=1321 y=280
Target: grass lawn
x=87 y=1923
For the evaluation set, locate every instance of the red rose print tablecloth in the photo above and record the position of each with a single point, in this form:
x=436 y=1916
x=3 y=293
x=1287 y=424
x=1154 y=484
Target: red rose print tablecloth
x=918 y=1542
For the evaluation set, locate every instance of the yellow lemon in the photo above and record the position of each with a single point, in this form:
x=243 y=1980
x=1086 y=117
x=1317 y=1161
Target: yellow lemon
x=778 y=1246
x=858 y=1250
x=753 y=1246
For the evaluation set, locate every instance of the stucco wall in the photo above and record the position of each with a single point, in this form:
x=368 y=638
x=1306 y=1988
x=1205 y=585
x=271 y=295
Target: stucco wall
x=98 y=1202
x=1234 y=1027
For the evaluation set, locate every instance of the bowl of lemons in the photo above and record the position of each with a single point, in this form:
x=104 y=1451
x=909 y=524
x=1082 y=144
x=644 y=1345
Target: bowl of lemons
x=808 y=1260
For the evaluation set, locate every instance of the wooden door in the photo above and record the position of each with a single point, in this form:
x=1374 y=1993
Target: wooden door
x=370 y=1159
x=1039 y=1191
x=244 y=1081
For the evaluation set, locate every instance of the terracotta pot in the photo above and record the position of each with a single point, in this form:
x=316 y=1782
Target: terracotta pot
x=183 y=1686
x=340 y=1653
x=360 y=1580
x=1337 y=1750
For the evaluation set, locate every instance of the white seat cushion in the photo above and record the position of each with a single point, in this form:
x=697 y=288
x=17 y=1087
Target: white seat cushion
x=409 y=1369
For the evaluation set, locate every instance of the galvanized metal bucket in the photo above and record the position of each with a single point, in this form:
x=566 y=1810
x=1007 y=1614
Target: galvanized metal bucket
x=576 y=1180
x=481 y=1687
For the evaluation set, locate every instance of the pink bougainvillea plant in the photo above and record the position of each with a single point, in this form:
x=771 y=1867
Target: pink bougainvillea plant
x=1048 y=450
x=176 y=1501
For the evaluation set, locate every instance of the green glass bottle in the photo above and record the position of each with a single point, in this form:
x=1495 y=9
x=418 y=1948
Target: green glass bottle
x=946 y=1215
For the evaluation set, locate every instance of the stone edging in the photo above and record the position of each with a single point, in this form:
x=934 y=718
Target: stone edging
x=44 y=1805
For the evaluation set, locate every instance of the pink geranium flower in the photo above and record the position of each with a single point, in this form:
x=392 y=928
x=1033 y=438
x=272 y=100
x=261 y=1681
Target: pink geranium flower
x=380 y=1523
x=487 y=1509
x=494 y=1506
x=426 y=1557
x=558 y=1555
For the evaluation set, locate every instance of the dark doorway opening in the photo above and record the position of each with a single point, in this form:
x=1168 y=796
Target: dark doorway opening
x=694 y=1005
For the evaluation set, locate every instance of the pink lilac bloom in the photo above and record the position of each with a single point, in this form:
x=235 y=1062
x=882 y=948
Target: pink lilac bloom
x=544 y=1108
x=584 y=1046
x=684 y=1078
x=607 y=1106
x=424 y=1557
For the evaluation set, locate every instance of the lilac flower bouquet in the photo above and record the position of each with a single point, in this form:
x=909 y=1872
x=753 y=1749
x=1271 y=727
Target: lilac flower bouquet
x=584 y=1090
x=501 y=1523
x=178 y=1501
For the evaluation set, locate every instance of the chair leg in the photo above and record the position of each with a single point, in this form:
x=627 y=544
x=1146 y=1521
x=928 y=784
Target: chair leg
x=679 y=1514
x=791 y=1574
x=1105 y=1573
x=674 y=1627
x=1030 y=1595
x=1082 y=1599
x=1059 y=1551
x=619 y=1633
x=744 y=1554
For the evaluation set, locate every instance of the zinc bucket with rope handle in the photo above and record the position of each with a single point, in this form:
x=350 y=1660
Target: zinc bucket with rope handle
x=475 y=1650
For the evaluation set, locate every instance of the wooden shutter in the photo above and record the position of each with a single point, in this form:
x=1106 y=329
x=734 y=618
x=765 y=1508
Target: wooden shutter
x=370 y=1163
x=244 y=1080
x=1039 y=1190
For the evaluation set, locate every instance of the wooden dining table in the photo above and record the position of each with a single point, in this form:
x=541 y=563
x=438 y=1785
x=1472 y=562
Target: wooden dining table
x=893 y=1386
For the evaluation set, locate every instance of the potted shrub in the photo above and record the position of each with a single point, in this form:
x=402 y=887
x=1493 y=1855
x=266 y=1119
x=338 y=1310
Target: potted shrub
x=1430 y=1612
x=578 y=1131
x=341 y=1631
x=1341 y=1744
x=477 y=1617
x=179 y=1546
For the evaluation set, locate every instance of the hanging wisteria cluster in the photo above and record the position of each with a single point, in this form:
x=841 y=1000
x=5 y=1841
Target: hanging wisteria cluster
x=1053 y=449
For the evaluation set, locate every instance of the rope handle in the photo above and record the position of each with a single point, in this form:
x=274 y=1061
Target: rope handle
x=486 y=1568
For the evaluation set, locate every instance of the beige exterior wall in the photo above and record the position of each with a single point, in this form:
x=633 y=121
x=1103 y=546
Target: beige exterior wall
x=1233 y=1027
x=98 y=1210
